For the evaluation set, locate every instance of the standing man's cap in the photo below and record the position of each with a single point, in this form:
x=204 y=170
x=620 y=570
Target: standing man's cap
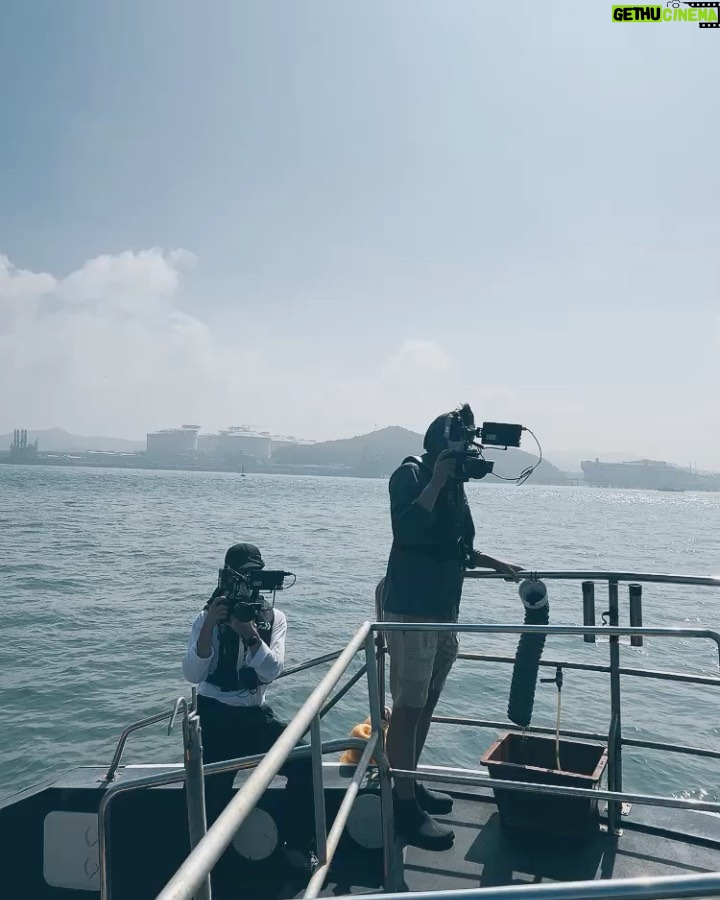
x=244 y=556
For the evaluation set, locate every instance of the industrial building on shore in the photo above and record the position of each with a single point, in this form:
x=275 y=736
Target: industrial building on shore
x=237 y=444
x=231 y=449
x=173 y=443
x=22 y=450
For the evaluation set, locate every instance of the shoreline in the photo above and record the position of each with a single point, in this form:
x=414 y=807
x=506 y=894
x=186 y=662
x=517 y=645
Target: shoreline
x=77 y=462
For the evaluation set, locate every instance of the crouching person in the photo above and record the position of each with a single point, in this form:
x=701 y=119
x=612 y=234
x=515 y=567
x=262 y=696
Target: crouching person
x=235 y=651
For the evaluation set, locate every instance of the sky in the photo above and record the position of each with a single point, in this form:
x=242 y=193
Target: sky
x=321 y=218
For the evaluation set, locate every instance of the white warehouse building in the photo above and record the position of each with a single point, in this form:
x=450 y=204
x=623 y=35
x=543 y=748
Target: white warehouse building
x=237 y=441
x=173 y=442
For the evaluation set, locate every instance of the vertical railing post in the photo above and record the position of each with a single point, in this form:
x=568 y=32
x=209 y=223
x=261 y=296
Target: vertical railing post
x=391 y=869
x=104 y=850
x=588 y=592
x=380 y=645
x=195 y=791
x=615 y=735
x=318 y=791
x=636 y=617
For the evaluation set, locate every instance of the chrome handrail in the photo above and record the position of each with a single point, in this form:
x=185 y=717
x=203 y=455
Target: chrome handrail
x=125 y=734
x=603 y=630
x=475 y=574
x=613 y=579
x=176 y=776
x=333 y=838
x=448 y=775
x=615 y=740
x=570 y=575
x=203 y=857
x=660 y=674
x=188 y=708
x=664 y=887
x=192 y=873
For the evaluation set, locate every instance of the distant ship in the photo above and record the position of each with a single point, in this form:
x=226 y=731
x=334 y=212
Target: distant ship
x=648 y=474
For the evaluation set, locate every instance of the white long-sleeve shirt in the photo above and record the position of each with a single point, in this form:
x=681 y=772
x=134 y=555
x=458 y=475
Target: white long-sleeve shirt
x=267 y=661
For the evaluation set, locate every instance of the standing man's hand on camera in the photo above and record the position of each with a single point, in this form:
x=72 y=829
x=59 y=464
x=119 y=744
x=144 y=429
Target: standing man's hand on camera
x=444 y=468
x=442 y=472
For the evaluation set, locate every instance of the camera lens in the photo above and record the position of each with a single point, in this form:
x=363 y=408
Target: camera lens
x=477 y=468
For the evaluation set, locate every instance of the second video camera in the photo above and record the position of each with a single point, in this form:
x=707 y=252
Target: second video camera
x=243 y=590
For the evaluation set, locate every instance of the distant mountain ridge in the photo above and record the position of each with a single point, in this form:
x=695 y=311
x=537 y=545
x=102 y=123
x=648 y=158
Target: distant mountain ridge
x=377 y=453
x=385 y=449
x=56 y=440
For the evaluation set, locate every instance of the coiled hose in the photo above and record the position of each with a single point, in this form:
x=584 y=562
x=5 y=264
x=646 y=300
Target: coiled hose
x=527 y=657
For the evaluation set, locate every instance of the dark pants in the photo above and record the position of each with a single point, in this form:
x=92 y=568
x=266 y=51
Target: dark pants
x=232 y=731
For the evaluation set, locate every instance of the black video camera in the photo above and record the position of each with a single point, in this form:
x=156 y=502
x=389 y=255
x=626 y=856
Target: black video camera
x=460 y=437
x=243 y=590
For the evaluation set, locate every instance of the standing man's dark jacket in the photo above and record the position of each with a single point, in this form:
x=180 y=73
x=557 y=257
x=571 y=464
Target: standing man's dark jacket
x=425 y=571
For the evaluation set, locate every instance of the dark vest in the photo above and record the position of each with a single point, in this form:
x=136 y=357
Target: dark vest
x=448 y=529
x=227 y=676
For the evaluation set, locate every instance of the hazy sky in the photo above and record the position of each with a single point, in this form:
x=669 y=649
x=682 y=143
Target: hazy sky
x=322 y=217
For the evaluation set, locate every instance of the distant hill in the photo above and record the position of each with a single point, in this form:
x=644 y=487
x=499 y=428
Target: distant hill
x=55 y=440
x=382 y=451
x=377 y=453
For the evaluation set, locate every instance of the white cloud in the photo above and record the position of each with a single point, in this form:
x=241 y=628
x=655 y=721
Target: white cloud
x=20 y=292
x=126 y=280
x=18 y=284
x=107 y=349
x=106 y=346
x=417 y=358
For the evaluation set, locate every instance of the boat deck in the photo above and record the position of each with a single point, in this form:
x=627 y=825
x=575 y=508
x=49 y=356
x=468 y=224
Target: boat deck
x=485 y=855
x=149 y=842
x=128 y=838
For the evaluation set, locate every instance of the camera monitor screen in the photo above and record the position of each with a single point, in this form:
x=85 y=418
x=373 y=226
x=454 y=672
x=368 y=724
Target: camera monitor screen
x=500 y=434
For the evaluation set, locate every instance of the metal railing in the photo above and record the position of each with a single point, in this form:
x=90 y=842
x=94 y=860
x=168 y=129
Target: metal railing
x=194 y=872
x=198 y=864
x=615 y=796
x=575 y=575
x=195 y=869
x=661 y=888
x=177 y=776
x=193 y=773
x=613 y=579
x=447 y=775
x=657 y=888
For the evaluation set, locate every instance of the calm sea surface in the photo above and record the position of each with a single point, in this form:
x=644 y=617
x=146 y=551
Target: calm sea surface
x=102 y=573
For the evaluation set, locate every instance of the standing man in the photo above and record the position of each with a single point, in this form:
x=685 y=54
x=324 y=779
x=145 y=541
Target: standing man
x=423 y=584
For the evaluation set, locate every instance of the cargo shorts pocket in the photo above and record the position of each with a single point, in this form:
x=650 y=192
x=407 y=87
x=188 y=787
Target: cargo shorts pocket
x=445 y=658
x=412 y=660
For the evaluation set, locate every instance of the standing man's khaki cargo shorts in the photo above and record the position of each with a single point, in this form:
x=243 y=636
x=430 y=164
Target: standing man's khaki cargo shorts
x=420 y=661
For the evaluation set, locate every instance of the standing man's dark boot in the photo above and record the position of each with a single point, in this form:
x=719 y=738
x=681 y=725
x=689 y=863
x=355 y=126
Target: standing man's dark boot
x=433 y=802
x=415 y=827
